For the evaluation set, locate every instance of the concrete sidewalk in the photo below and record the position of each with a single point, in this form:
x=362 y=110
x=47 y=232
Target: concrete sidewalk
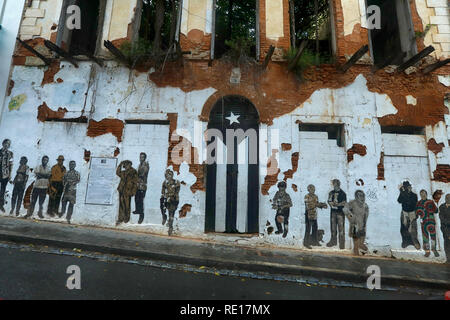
x=348 y=270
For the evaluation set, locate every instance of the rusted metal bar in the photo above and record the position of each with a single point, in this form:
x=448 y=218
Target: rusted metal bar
x=268 y=57
x=116 y=52
x=37 y=54
x=422 y=54
x=298 y=55
x=435 y=66
x=355 y=57
x=53 y=47
x=388 y=61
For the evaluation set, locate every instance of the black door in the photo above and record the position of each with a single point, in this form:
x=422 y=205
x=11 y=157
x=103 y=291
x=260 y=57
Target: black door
x=243 y=116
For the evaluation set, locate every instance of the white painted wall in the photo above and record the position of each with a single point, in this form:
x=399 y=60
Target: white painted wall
x=108 y=93
x=9 y=20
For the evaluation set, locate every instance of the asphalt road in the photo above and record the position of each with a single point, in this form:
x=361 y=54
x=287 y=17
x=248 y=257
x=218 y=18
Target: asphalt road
x=26 y=274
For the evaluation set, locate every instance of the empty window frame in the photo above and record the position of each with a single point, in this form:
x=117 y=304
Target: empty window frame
x=411 y=130
x=235 y=21
x=335 y=131
x=395 y=40
x=87 y=39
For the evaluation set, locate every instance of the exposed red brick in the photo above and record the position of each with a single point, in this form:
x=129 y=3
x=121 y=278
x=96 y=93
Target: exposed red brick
x=87 y=155
x=194 y=167
x=49 y=74
x=275 y=92
x=380 y=167
x=270 y=179
x=27 y=196
x=442 y=173
x=294 y=187
x=45 y=113
x=116 y=152
x=294 y=161
x=98 y=128
x=59 y=80
x=286 y=146
x=435 y=147
x=184 y=210
x=10 y=87
x=358 y=149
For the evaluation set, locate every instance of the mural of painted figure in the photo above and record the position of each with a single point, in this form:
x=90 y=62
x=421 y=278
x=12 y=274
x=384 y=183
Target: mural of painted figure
x=42 y=174
x=282 y=203
x=141 y=187
x=337 y=200
x=357 y=212
x=170 y=197
x=56 y=187
x=70 y=181
x=311 y=205
x=444 y=214
x=20 y=182
x=6 y=165
x=408 y=223
x=127 y=188
x=426 y=209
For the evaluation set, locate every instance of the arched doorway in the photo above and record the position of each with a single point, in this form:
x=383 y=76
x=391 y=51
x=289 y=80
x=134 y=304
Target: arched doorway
x=232 y=185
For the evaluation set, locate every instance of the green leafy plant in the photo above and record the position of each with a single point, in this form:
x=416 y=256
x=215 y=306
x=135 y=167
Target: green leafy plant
x=136 y=52
x=240 y=48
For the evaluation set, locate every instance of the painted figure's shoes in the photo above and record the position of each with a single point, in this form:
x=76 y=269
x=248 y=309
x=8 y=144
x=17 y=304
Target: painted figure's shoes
x=2 y=209
x=285 y=233
x=164 y=220
x=17 y=213
x=436 y=254
x=417 y=246
x=278 y=232
x=11 y=212
x=364 y=247
x=331 y=244
x=141 y=218
x=427 y=254
x=40 y=215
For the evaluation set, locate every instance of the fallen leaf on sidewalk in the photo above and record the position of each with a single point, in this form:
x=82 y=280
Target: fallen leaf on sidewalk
x=202 y=267
x=268 y=293
x=217 y=274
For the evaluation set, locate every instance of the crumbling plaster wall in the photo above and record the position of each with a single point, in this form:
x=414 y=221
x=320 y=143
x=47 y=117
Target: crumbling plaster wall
x=108 y=93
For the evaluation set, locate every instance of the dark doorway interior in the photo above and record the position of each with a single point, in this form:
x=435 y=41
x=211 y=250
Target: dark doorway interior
x=248 y=119
x=84 y=40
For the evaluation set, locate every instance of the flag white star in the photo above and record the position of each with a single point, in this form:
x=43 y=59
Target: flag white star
x=232 y=118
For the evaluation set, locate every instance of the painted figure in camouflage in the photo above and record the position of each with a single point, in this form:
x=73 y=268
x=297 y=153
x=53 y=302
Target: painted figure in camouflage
x=70 y=181
x=282 y=203
x=169 y=198
x=426 y=209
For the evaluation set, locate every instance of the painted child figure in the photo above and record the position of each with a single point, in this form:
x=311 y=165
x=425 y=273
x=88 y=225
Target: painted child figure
x=70 y=181
x=282 y=203
x=20 y=182
x=311 y=205
x=426 y=209
x=169 y=198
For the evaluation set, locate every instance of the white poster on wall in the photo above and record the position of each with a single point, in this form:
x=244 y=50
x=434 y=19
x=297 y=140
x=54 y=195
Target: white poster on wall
x=101 y=181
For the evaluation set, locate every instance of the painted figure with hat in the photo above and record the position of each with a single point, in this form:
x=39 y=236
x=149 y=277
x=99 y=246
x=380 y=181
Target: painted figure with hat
x=56 y=187
x=408 y=228
x=40 y=187
x=282 y=203
x=127 y=188
x=70 y=181
x=169 y=198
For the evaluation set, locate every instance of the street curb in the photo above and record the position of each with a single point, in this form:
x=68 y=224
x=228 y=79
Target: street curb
x=259 y=267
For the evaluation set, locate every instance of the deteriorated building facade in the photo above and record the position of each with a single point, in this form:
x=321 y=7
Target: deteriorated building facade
x=372 y=126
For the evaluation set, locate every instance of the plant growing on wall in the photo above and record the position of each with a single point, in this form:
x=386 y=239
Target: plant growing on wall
x=239 y=49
